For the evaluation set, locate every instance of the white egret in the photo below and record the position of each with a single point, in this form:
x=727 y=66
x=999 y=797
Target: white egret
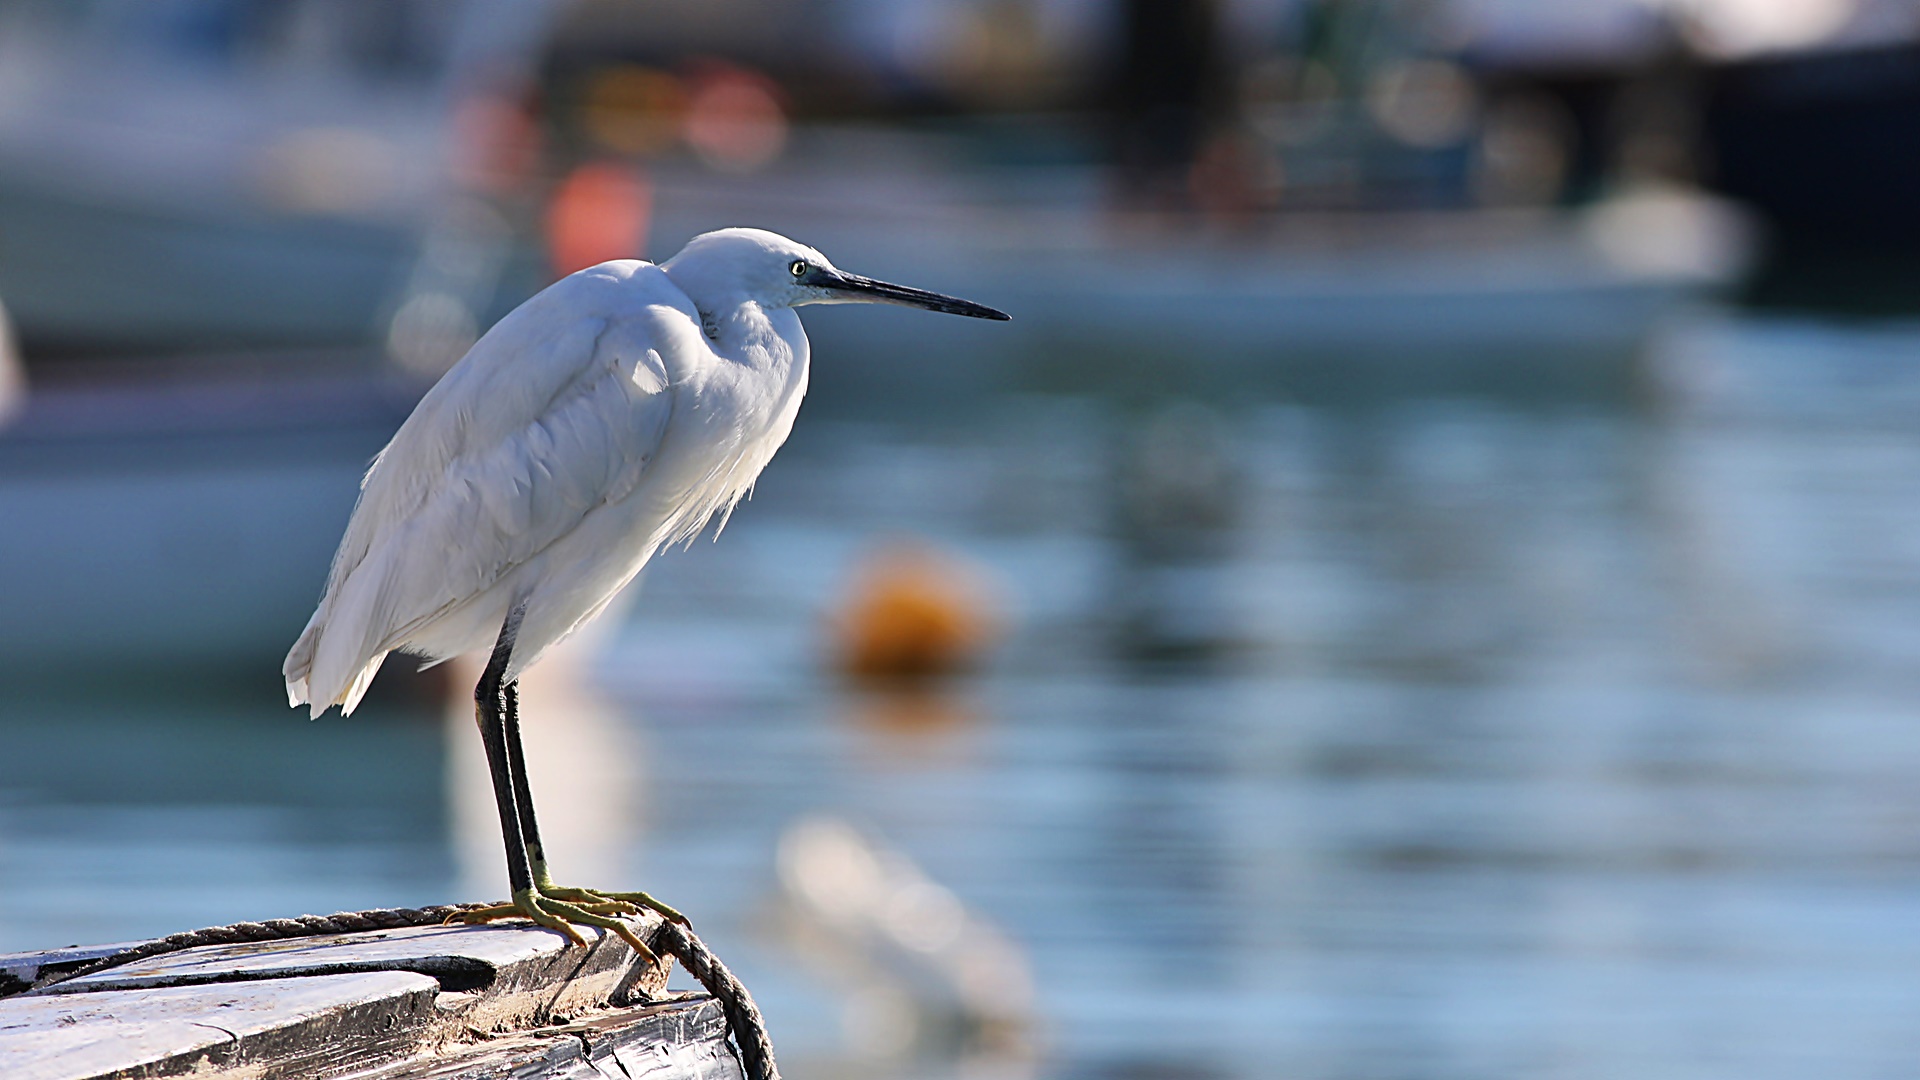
x=616 y=412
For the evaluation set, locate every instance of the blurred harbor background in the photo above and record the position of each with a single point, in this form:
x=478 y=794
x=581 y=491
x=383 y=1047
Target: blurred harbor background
x=1427 y=585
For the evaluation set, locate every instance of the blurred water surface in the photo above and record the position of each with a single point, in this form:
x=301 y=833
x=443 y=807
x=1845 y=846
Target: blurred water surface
x=1394 y=736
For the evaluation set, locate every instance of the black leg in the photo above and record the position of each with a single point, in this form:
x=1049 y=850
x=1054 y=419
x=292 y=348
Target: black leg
x=522 y=791
x=497 y=708
x=490 y=701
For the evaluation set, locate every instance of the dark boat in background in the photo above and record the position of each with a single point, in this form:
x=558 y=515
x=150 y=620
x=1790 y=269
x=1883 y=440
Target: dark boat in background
x=1810 y=124
x=1825 y=146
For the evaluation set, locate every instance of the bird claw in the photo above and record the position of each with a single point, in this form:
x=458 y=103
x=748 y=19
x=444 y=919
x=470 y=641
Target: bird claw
x=609 y=907
x=597 y=902
x=527 y=904
x=632 y=902
x=558 y=915
x=575 y=913
x=643 y=900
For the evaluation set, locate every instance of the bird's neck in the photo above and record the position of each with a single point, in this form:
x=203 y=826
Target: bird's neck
x=758 y=337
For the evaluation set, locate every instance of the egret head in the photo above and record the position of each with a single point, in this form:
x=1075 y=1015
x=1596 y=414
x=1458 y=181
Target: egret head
x=769 y=269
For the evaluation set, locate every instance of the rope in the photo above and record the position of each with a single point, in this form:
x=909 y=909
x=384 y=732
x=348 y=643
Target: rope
x=743 y=1016
x=744 y=1023
x=345 y=922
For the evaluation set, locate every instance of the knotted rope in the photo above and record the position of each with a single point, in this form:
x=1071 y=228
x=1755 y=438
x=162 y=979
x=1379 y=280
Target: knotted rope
x=744 y=1023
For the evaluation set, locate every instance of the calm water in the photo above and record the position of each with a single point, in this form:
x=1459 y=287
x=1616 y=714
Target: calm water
x=1458 y=738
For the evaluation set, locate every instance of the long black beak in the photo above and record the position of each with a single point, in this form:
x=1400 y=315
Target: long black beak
x=855 y=287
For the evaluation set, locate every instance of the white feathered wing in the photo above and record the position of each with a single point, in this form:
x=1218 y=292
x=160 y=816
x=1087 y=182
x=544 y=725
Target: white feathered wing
x=531 y=432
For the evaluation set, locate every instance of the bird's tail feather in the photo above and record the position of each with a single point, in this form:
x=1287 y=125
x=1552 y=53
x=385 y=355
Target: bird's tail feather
x=299 y=690
x=357 y=689
x=299 y=663
x=337 y=656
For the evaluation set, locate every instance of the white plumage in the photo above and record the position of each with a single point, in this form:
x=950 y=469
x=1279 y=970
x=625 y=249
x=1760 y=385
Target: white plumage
x=615 y=412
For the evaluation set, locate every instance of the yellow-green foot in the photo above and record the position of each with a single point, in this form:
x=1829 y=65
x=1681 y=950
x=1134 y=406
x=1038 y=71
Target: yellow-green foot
x=589 y=899
x=627 y=903
x=562 y=916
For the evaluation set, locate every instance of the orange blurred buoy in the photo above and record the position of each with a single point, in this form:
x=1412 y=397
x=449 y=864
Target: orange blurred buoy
x=914 y=615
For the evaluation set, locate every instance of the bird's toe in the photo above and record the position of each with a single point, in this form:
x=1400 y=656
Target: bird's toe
x=575 y=913
x=645 y=900
x=591 y=900
x=529 y=904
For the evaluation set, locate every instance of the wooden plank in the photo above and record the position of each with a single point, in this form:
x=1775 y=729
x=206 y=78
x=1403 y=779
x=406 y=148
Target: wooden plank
x=667 y=1046
x=19 y=970
x=299 y=1027
x=508 y=976
x=461 y=957
x=681 y=1038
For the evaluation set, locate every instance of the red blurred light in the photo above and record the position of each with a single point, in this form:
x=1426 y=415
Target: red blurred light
x=599 y=212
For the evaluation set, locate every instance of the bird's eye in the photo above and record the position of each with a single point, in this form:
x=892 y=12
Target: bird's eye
x=799 y=268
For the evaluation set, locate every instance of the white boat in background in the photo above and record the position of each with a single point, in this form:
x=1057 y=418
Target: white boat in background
x=177 y=526
x=191 y=174
x=179 y=175
x=1099 y=301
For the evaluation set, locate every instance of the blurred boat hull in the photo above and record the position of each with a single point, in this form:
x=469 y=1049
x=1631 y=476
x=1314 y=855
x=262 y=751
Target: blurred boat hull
x=83 y=274
x=183 y=177
x=1813 y=141
x=177 y=527
x=1097 y=303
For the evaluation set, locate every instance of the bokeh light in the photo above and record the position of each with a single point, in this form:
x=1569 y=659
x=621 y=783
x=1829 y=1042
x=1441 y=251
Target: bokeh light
x=599 y=212
x=734 y=119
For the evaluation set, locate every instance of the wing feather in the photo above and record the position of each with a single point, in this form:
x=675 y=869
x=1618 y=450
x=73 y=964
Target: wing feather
x=552 y=414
